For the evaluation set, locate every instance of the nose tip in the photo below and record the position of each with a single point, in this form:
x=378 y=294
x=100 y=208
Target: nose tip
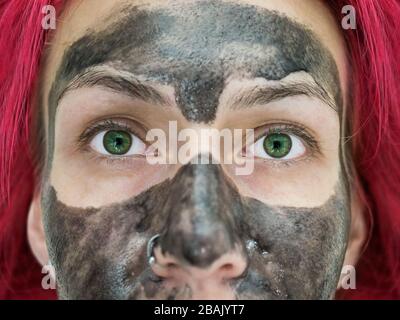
x=202 y=280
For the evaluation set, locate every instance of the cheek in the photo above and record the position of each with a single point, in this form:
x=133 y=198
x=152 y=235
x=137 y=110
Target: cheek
x=83 y=183
x=98 y=253
x=303 y=184
x=304 y=247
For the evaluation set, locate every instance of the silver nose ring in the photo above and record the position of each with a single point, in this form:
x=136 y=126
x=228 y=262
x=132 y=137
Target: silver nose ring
x=150 y=248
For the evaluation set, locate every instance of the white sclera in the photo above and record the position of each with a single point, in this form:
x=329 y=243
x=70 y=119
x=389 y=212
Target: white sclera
x=137 y=147
x=297 y=149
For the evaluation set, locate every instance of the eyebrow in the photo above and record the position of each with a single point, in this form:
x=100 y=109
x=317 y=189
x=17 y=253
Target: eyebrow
x=126 y=83
x=261 y=95
x=117 y=81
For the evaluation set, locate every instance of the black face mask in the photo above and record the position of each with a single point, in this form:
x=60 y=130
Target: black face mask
x=290 y=252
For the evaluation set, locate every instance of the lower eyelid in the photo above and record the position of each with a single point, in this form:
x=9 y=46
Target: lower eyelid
x=272 y=163
x=119 y=162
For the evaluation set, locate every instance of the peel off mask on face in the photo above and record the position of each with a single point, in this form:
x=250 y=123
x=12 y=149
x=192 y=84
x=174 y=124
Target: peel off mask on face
x=101 y=253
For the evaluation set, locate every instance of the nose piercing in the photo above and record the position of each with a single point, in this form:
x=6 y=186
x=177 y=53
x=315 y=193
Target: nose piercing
x=150 y=247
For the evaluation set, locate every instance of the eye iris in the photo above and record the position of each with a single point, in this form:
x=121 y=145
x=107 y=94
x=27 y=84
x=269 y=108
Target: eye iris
x=117 y=142
x=277 y=145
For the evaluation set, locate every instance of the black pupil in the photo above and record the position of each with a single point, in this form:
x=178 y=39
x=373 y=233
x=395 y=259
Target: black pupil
x=277 y=144
x=119 y=141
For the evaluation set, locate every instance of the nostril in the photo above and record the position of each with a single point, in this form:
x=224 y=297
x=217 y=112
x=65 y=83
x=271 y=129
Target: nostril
x=227 y=267
x=229 y=271
x=165 y=265
x=172 y=265
x=231 y=265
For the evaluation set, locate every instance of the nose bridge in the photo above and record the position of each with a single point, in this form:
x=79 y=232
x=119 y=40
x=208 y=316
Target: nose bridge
x=201 y=210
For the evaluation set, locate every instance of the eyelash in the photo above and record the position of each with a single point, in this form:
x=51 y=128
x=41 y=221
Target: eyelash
x=110 y=124
x=296 y=129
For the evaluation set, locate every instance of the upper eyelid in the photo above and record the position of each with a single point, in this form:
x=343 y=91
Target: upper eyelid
x=108 y=124
x=296 y=129
x=284 y=127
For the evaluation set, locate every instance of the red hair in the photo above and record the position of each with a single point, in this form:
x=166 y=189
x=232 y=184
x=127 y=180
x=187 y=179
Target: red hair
x=374 y=50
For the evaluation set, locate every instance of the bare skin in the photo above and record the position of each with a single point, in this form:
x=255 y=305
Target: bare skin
x=279 y=233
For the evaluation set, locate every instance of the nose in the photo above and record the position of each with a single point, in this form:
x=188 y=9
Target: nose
x=200 y=244
x=211 y=282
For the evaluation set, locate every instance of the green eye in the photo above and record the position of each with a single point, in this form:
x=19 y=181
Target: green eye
x=117 y=142
x=277 y=145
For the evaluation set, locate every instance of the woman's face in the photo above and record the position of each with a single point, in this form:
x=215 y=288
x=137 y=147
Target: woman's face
x=118 y=69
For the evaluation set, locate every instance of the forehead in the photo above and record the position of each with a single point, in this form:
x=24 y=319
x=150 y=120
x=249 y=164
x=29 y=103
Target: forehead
x=197 y=45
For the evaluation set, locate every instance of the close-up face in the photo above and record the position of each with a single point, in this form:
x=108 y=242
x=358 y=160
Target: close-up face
x=118 y=226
